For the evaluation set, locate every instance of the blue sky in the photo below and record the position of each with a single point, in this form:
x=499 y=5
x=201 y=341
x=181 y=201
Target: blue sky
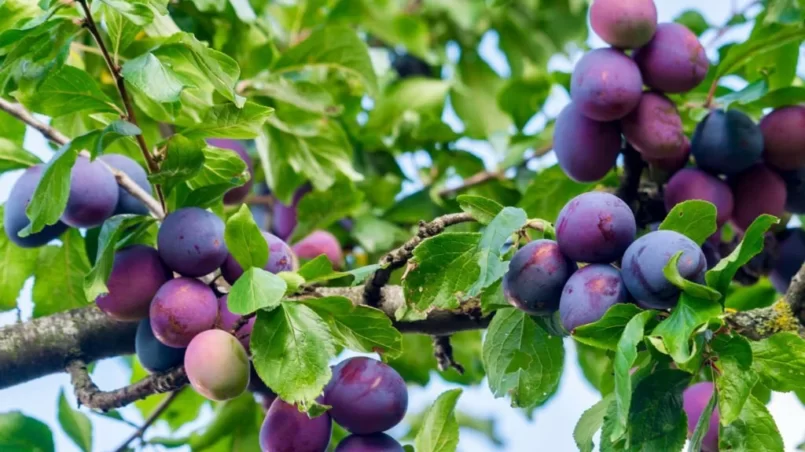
x=552 y=426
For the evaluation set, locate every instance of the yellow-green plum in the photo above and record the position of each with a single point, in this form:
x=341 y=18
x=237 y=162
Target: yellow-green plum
x=217 y=365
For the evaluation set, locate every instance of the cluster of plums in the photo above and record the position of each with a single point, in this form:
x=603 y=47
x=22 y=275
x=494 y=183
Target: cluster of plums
x=367 y=398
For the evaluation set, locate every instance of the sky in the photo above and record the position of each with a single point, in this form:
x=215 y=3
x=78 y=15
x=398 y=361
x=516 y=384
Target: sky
x=552 y=426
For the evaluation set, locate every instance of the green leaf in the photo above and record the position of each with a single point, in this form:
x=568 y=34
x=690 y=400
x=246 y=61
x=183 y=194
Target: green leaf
x=688 y=315
x=16 y=266
x=75 y=423
x=244 y=240
x=656 y=419
x=548 y=192
x=153 y=78
x=522 y=98
x=222 y=170
x=416 y=95
x=59 y=276
x=319 y=269
x=736 y=377
x=11 y=129
x=494 y=237
x=439 y=432
x=446 y=266
x=67 y=91
x=482 y=209
x=291 y=348
x=12 y=156
x=475 y=100
x=597 y=365
x=304 y=95
x=332 y=47
x=320 y=209
x=184 y=408
x=98 y=140
x=20 y=433
x=780 y=361
x=376 y=235
x=720 y=276
x=120 y=30
x=521 y=359
x=359 y=328
x=625 y=357
x=694 y=219
x=740 y=54
x=703 y=424
x=693 y=20
x=607 y=331
x=50 y=197
x=256 y=289
x=751 y=93
x=184 y=160
x=754 y=430
x=671 y=272
x=789 y=95
x=590 y=422
x=136 y=11
x=231 y=121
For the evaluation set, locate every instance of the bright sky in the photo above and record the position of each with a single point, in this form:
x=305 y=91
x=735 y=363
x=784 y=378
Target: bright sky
x=552 y=426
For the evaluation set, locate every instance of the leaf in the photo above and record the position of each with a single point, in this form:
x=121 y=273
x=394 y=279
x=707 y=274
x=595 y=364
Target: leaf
x=291 y=348
x=606 y=332
x=475 y=100
x=96 y=141
x=751 y=93
x=359 y=328
x=50 y=197
x=694 y=219
x=754 y=430
x=12 y=156
x=16 y=266
x=10 y=129
x=736 y=378
x=522 y=98
x=333 y=47
x=184 y=160
x=439 y=431
x=417 y=95
x=153 y=78
x=590 y=422
x=720 y=276
x=320 y=209
x=625 y=357
x=675 y=331
x=136 y=11
x=20 y=433
x=656 y=419
x=75 y=423
x=671 y=272
x=66 y=91
x=243 y=10
x=185 y=408
x=231 y=121
x=548 y=192
x=256 y=289
x=304 y=95
x=244 y=240
x=59 y=276
x=781 y=97
x=740 y=54
x=780 y=361
x=693 y=20
x=521 y=359
x=222 y=170
x=445 y=267
x=121 y=31
x=494 y=237
x=703 y=424
x=482 y=209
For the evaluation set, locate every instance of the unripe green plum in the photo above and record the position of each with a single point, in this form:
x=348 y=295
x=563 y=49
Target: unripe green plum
x=217 y=365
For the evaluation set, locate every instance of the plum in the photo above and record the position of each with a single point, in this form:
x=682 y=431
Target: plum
x=537 y=273
x=137 y=274
x=318 y=243
x=784 y=138
x=674 y=61
x=589 y=293
x=757 y=190
x=181 y=309
x=692 y=183
x=789 y=260
x=794 y=190
x=726 y=142
x=283 y=218
x=654 y=127
x=606 y=85
x=227 y=320
x=280 y=259
x=191 y=241
x=379 y=442
x=93 y=194
x=126 y=203
x=595 y=227
x=626 y=24
x=286 y=429
x=367 y=396
x=237 y=194
x=694 y=401
x=645 y=259
x=711 y=254
x=14 y=218
x=152 y=354
x=217 y=365
x=672 y=163
x=586 y=149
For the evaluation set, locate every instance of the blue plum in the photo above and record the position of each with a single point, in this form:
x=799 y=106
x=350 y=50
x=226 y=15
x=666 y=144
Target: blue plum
x=727 y=142
x=286 y=429
x=137 y=274
x=153 y=354
x=789 y=260
x=379 y=442
x=191 y=241
x=127 y=203
x=283 y=218
x=93 y=194
x=14 y=218
x=795 y=190
x=537 y=273
x=595 y=227
x=586 y=149
x=589 y=293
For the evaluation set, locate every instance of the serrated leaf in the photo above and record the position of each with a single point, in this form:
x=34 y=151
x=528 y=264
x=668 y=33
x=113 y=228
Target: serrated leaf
x=59 y=276
x=301 y=94
x=256 y=289
x=120 y=30
x=137 y=12
x=735 y=378
x=494 y=237
x=671 y=272
x=482 y=209
x=222 y=170
x=67 y=91
x=606 y=332
x=440 y=428
x=590 y=422
x=359 y=328
x=20 y=433
x=153 y=78
x=16 y=265
x=656 y=419
x=688 y=315
x=320 y=209
x=521 y=359
x=625 y=356
x=231 y=121
x=780 y=361
x=291 y=347
x=720 y=276
x=75 y=423
x=754 y=430
x=244 y=240
x=694 y=219
x=184 y=160
x=12 y=156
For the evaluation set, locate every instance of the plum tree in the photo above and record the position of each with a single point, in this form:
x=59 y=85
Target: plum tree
x=692 y=183
x=643 y=265
x=318 y=243
x=237 y=194
x=191 y=241
x=595 y=227
x=280 y=259
x=537 y=273
x=217 y=365
x=694 y=401
x=790 y=258
x=227 y=320
x=136 y=266
x=589 y=293
x=379 y=442
x=153 y=354
x=367 y=396
x=606 y=85
x=654 y=127
x=626 y=24
x=784 y=138
x=751 y=202
x=93 y=194
x=126 y=203
x=181 y=309
x=283 y=219
x=727 y=142
x=674 y=61
x=14 y=217
x=586 y=149
x=286 y=429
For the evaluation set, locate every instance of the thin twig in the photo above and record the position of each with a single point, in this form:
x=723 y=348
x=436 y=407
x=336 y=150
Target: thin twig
x=443 y=352
x=19 y=112
x=260 y=200
x=164 y=405
x=241 y=323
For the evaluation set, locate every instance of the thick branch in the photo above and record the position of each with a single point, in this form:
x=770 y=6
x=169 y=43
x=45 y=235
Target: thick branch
x=761 y=323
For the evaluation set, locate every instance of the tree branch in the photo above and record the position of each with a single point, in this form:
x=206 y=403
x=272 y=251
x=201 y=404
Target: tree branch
x=164 y=405
x=443 y=352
